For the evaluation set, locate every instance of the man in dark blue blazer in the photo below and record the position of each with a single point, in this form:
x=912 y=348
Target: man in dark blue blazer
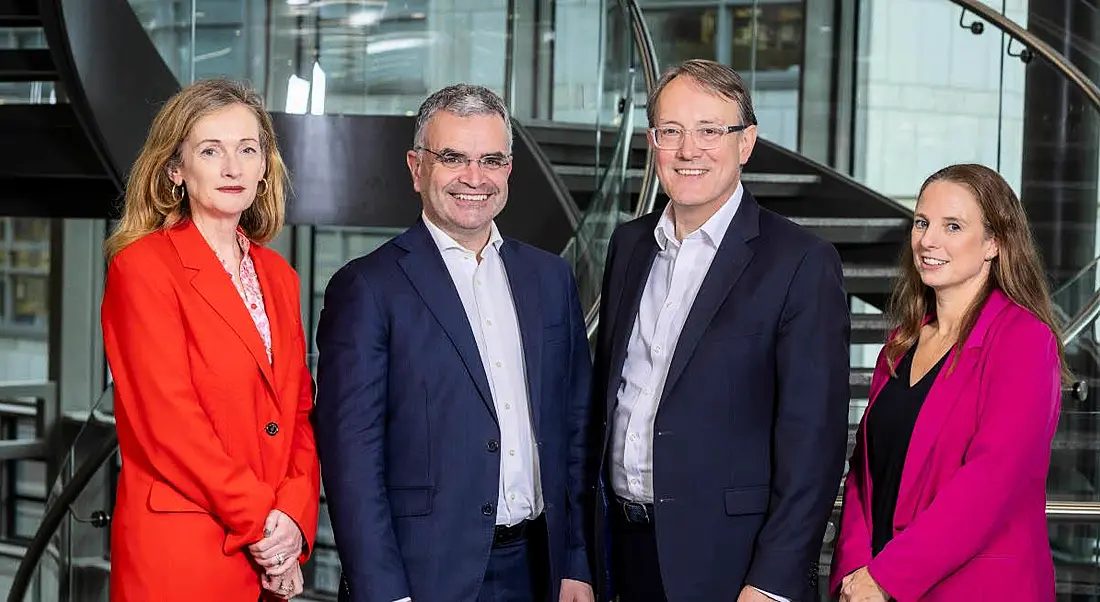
x=721 y=372
x=453 y=390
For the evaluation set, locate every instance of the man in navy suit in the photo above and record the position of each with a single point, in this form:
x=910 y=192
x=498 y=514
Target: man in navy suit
x=453 y=390
x=720 y=386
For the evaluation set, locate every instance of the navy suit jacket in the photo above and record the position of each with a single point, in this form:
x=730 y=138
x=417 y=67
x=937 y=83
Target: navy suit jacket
x=751 y=430
x=407 y=430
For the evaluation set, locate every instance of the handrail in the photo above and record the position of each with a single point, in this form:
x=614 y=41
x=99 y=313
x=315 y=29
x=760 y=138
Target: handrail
x=647 y=197
x=1076 y=276
x=1049 y=54
x=1089 y=88
x=651 y=70
x=57 y=513
x=1081 y=321
x=1056 y=510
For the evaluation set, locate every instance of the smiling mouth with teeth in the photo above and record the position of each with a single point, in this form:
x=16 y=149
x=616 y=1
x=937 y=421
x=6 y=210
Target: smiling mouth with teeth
x=691 y=172
x=930 y=261
x=470 y=197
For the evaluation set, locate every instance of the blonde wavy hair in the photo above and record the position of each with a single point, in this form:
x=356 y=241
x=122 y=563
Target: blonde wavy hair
x=150 y=204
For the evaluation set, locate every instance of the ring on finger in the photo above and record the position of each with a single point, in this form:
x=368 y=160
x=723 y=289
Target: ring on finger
x=280 y=558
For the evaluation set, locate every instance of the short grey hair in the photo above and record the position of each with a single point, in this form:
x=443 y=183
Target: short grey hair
x=463 y=100
x=712 y=76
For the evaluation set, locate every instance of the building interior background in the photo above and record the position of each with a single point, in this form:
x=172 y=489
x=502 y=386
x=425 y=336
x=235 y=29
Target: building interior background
x=857 y=102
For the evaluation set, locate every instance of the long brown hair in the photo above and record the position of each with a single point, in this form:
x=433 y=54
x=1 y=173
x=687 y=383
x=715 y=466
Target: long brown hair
x=1016 y=270
x=150 y=203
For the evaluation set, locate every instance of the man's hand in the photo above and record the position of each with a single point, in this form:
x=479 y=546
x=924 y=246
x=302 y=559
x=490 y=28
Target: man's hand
x=278 y=551
x=576 y=591
x=751 y=594
x=859 y=586
x=289 y=584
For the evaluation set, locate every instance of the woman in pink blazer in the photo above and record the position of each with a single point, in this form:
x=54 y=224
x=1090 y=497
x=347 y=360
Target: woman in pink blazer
x=946 y=489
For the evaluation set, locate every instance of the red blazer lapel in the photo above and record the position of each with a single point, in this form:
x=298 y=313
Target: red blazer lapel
x=213 y=283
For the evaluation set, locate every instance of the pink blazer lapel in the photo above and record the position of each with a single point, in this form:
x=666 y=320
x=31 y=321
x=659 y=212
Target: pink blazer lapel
x=942 y=397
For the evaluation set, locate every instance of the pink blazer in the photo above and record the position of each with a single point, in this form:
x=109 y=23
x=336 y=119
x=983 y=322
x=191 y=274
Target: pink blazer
x=970 y=522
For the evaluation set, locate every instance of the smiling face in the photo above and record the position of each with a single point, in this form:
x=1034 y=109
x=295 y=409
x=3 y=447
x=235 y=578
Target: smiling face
x=459 y=198
x=221 y=163
x=951 y=248
x=699 y=180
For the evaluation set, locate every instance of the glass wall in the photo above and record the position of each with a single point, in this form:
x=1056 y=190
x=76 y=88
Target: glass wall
x=24 y=298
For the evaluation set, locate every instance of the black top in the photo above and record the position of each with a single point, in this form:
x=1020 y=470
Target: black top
x=889 y=428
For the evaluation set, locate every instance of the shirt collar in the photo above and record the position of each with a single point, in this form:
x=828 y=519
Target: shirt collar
x=243 y=242
x=445 y=243
x=713 y=230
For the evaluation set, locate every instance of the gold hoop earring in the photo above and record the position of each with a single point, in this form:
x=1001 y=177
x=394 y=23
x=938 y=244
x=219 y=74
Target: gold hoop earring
x=264 y=182
x=182 y=190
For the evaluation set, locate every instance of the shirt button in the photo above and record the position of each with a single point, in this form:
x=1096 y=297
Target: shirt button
x=488 y=322
x=498 y=364
x=477 y=281
x=512 y=497
x=511 y=452
x=487 y=509
x=507 y=406
x=657 y=350
x=492 y=445
x=633 y=436
x=253 y=306
x=272 y=429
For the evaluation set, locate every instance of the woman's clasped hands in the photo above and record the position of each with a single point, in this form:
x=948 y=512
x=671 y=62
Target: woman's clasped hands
x=277 y=553
x=859 y=586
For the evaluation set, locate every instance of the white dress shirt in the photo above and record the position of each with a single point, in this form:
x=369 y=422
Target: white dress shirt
x=491 y=312
x=674 y=279
x=487 y=298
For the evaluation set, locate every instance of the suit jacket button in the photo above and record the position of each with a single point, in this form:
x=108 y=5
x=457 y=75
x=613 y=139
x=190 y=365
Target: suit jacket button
x=492 y=445
x=272 y=429
x=487 y=509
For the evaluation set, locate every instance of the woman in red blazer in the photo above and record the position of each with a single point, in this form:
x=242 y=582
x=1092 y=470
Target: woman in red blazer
x=218 y=494
x=945 y=497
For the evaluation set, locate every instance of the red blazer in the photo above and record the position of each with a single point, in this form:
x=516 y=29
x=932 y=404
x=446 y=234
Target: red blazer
x=212 y=436
x=970 y=523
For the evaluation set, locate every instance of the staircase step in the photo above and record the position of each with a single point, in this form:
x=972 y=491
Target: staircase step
x=19 y=13
x=767 y=186
x=869 y=328
x=847 y=230
x=45 y=141
x=859 y=379
x=869 y=279
x=27 y=65
x=84 y=197
x=586 y=178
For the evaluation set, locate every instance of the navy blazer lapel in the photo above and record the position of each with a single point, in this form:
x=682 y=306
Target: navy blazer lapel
x=526 y=296
x=424 y=268
x=637 y=273
x=729 y=263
